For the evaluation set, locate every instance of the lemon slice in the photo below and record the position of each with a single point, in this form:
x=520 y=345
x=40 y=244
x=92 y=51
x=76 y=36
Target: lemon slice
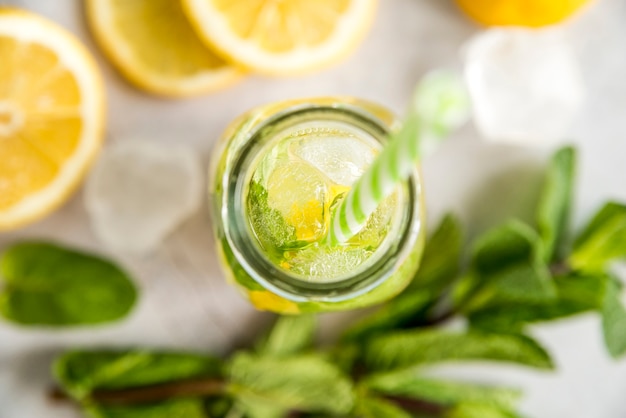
x=282 y=37
x=51 y=116
x=533 y=13
x=154 y=46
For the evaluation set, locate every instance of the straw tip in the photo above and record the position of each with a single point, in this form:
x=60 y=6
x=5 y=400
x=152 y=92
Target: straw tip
x=442 y=97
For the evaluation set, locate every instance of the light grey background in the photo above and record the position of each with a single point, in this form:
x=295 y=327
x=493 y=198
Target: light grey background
x=185 y=302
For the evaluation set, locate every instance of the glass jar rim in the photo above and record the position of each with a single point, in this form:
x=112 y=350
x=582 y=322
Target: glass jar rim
x=244 y=245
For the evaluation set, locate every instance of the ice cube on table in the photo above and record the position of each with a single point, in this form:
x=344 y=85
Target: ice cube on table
x=525 y=84
x=341 y=159
x=140 y=191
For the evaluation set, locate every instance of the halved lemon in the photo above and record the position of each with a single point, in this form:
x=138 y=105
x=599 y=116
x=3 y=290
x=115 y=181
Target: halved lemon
x=282 y=37
x=51 y=115
x=533 y=13
x=153 y=44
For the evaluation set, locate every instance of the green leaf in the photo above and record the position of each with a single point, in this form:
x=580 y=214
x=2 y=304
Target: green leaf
x=290 y=335
x=442 y=254
x=477 y=410
x=438 y=268
x=407 y=383
x=395 y=314
x=305 y=383
x=553 y=212
x=603 y=240
x=253 y=407
x=49 y=285
x=577 y=293
x=369 y=407
x=268 y=223
x=218 y=407
x=507 y=267
x=175 y=408
x=80 y=372
x=614 y=320
x=408 y=349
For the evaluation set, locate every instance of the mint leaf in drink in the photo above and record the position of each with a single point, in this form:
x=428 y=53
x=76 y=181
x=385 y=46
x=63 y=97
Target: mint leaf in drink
x=370 y=407
x=271 y=228
x=477 y=410
x=174 y=408
x=614 y=320
x=438 y=268
x=577 y=293
x=409 y=384
x=239 y=274
x=81 y=372
x=603 y=240
x=407 y=349
x=307 y=383
x=45 y=284
x=507 y=267
x=290 y=335
x=553 y=212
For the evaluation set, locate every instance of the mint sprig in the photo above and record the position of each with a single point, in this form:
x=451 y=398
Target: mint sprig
x=510 y=277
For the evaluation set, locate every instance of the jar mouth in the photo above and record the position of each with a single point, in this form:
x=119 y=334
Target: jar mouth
x=247 y=250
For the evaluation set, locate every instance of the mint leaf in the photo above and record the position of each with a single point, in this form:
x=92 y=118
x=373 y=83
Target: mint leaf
x=442 y=256
x=603 y=240
x=402 y=350
x=81 y=372
x=553 y=212
x=49 y=285
x=175 y=408
x=576 y=293
x=507 y=267
x=269 y=225
x=438 y=268
x=259 y=408
x=239 y=274
x=218 y=407
x=305 y=383
x=394 y=314
x=290 y=335
x=369 y=407
x=477 y=410
x=614 y=320
x=410 y=384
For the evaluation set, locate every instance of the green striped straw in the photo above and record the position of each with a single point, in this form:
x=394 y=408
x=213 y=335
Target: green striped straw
x=440 y=104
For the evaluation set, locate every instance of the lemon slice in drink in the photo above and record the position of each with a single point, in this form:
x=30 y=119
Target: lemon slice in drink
x=154 y=46
x=282 y=37
x=51 y=116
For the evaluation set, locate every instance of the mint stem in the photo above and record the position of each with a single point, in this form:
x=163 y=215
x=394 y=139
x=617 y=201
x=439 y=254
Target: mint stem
x=153 y=393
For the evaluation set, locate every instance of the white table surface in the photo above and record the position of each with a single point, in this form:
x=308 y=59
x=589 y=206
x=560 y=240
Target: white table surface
x=185 y=302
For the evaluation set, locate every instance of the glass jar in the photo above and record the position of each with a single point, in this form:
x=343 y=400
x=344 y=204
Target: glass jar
x=366 y=273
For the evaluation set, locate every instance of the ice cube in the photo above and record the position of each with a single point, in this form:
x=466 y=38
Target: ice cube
x=525 y=84
x=342 y=159
x=300 y=193
x=139 y=191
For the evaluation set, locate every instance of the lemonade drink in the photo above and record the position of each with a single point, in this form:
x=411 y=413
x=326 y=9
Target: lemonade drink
x=276 y=178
